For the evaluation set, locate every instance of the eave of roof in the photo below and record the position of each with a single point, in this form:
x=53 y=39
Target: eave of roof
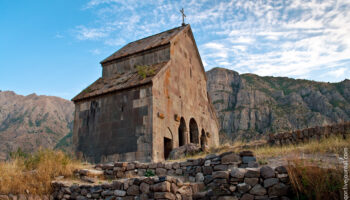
x=118 y=82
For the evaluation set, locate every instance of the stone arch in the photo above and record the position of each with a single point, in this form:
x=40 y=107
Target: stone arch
x=182 y=132
x=194 y=133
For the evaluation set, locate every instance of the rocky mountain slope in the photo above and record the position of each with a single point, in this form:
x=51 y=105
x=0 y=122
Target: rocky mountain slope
x=249 y=106
x=30 y=122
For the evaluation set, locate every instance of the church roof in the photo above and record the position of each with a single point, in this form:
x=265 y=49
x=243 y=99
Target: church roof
x=145 y=44
x=126 y=80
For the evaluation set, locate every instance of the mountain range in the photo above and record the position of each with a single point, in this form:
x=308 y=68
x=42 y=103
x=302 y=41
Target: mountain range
x=248 y=107
x=28 y=123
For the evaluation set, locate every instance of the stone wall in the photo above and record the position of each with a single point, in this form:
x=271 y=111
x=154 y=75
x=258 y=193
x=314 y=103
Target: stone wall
x=222 y=176
x=179 y=94
x=315 y=133
x=150 y=57
x=115 y=126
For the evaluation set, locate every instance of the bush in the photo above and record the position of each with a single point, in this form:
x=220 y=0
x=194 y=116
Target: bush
x=33 y=173
x=145 y=71
x=149 y=173
x=311 y=181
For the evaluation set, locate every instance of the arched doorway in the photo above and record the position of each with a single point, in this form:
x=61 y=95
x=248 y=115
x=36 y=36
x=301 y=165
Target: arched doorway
x=168 y=144
x=203 y=140
x=182 y=132
x=194 y=138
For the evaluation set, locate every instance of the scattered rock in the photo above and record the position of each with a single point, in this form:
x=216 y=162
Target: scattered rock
x=187 y=149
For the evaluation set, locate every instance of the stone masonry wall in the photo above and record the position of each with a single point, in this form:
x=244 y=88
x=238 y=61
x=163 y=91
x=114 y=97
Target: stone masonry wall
x=222 y=177
x=115 y=126
x=298 y=136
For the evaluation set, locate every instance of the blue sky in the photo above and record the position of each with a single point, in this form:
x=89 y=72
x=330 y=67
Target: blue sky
x=54 y=47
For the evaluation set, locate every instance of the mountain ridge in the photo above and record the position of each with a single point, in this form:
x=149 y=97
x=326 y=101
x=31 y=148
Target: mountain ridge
x=30 y=122
x=250 y=106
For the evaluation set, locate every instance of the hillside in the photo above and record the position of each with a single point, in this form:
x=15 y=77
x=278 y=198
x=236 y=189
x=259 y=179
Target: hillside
x=30 y=122
x=248 y=106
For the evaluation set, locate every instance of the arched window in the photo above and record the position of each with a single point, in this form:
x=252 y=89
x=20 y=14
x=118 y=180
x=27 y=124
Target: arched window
x=194 y=131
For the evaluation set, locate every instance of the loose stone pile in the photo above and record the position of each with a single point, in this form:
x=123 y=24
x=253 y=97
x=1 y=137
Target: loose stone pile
x=225 y=176
x=315 y=133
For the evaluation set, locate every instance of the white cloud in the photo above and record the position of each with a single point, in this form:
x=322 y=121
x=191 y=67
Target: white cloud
x=337 y=73
x=295 y=38
x=91 y=33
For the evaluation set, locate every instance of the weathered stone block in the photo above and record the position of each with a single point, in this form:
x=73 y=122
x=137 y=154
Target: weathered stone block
x=251 y=181
x=133 y=190
x=238 y=172
x=221 y=174
x=161 y=172
x=161 y=187
x=258 y=190
x=144 y=188
x=278 y=189
x=164 y=195
x=220 y=167
x=252 y=173
x=243 y=187
x=270 y=182
x=230 y=158
x=267 y=172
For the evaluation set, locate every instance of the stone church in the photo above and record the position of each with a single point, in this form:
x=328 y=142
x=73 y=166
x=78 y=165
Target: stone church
x=151 y=98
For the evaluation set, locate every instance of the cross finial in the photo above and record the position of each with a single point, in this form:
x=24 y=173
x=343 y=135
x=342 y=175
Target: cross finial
x=183 y=16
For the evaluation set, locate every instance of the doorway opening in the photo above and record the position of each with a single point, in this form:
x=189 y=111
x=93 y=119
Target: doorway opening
x=182 y=132
x=194 y=131
x=168 y=146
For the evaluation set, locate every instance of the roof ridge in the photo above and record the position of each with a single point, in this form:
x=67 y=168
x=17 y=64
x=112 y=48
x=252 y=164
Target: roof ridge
x=158 y=34
x=145 y=43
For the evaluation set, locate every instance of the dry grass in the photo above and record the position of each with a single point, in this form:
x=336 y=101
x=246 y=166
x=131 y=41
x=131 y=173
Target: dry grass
x=262 y=150
x=327 y=145
x=311 y=181
x=33 y=173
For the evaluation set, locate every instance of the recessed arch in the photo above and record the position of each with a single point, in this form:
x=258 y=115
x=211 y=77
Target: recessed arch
x=182 y=132
x=168 y=144
x=194 y=133
x=203 y=139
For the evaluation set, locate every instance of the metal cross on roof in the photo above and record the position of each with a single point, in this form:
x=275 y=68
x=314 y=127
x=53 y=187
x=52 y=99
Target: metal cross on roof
x=183 y=16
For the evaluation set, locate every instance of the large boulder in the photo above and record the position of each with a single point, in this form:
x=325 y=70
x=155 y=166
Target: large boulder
x=187 y=149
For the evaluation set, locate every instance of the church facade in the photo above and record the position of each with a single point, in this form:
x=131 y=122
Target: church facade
x=151 y=98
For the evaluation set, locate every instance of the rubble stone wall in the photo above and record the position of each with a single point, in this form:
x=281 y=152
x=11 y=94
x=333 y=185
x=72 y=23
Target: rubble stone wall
x=315 y=133
x=225 y=176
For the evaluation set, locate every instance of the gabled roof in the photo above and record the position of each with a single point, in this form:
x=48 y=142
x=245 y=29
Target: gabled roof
x=126 y=80
x=145 y=44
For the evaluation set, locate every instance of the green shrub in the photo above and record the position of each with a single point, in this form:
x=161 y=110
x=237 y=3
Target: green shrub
x=149 y=173
x=145 y=71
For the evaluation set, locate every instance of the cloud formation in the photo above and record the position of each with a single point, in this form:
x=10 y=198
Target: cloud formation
x=300 y=39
